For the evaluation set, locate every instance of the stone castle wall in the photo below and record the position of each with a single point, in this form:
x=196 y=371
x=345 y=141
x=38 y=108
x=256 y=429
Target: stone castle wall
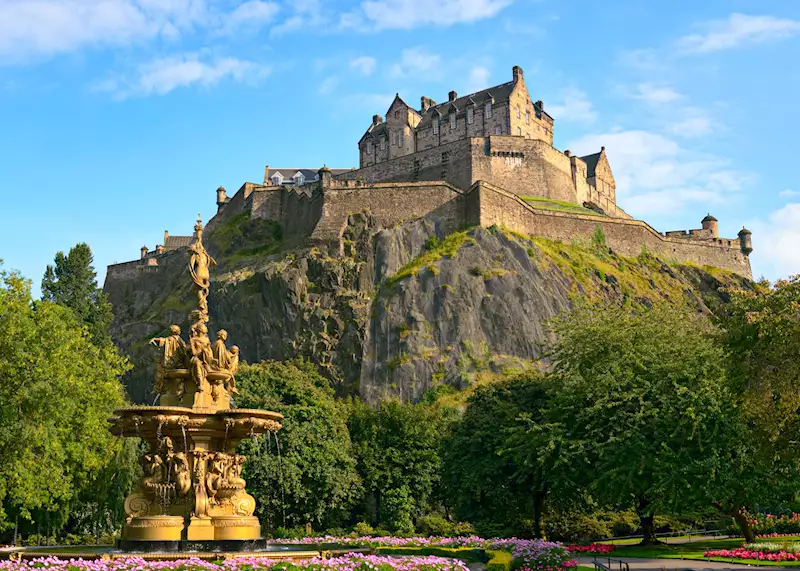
x=488 y=205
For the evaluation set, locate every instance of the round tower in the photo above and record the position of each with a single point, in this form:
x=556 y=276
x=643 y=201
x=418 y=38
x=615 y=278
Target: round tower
x=144 y=250
x=745 y=241
x=222 y=196
x=710 y=223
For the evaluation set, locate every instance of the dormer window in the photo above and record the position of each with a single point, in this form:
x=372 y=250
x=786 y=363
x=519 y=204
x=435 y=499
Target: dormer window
x=299 y=179
x=435 y=125
x=453 y=121
x=489 y=110
x=470 y=114
x=277 y=179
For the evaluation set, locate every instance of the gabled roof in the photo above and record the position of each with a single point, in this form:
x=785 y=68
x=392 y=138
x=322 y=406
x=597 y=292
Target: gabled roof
x=174 y=242
x=309 y=174
x=591 y=163
x=375 y=131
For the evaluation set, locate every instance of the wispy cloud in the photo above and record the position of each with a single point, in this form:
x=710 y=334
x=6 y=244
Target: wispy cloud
x=478 y=79
x=655 y=175
x=789 y=193
x=363 y=64
x=575 y=107
x=655 y=94
x=409 y=14
x=415 y=61
x=736 y=31
x=328 y=84
x=164 y=75
x=692 y=126
x=305 y=15
x=251 y=15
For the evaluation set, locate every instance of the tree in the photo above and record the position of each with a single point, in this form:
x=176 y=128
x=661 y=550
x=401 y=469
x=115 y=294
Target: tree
x=496 y=465
x=397 y=446
x=643 y=408
x=305 y=473
x=57 y=391
x=761 y=337
x=72 y=282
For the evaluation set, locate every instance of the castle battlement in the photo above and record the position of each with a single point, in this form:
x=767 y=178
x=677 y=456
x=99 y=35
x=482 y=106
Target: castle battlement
x=482 y=159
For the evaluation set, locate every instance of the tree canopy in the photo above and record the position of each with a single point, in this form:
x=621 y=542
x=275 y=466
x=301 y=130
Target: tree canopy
x=58 y=389
x=72 y=282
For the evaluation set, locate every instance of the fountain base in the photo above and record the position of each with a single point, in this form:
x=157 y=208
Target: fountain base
x=174 y=529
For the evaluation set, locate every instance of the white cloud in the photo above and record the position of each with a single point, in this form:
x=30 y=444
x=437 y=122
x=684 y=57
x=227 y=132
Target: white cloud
x=363 y=64
x=737 y=31
x=306 y=15
x=655 y=95
x=789 y=193
x=575 y=107
x=775 y=252
x=408 y=14
x=328 y=84
x=250 y=15
x=163 y=75
x=478 y=79
x=693 y=124
x=654 y=175
x=415 y=61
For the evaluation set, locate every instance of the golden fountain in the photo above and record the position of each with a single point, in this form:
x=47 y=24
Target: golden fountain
x=192 y=495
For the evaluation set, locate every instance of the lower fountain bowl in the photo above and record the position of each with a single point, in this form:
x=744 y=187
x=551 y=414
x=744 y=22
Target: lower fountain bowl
x=157 y=528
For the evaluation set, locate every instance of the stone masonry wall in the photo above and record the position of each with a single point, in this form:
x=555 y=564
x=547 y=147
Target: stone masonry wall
x=496 y=206
x=390 y=204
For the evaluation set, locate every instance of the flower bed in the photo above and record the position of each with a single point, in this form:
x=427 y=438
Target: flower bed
x=354 y=562
x=526 y=553
x=745 y=553
x=592 y=548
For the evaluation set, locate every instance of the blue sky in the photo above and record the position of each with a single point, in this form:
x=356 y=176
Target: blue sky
x=120 y=118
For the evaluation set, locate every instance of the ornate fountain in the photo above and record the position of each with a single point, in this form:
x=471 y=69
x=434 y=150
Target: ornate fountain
x=192 y=496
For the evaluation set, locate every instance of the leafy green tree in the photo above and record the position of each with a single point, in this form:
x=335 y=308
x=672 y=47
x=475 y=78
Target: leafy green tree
x=397 y=445
x=761 y=337
x=308 y=472
x=496 y=464
x=643 y=406
x=72 y=282
x=57 y=390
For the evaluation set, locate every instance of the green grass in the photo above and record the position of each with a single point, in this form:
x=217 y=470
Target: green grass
x=435 y=251
x=558 y=205
x=696 y=551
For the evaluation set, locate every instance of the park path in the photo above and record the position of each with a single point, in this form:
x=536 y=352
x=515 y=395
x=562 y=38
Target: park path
x=643 y=564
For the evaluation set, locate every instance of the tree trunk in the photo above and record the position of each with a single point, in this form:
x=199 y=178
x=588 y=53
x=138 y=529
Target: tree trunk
x=538 y=500
x=646 y=523
x=744 y=524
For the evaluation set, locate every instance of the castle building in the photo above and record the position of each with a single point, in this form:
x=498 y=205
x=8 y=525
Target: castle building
x=485 y=159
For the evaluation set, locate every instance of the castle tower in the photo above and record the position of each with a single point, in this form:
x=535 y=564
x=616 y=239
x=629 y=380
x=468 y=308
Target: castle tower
x=710 y=223
x=222 y=197
x=745 y=241
x=145 y=250
x=324 y=176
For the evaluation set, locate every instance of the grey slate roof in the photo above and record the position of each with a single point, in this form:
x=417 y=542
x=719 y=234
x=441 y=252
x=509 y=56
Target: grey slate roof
x=591 y=163
x=174 y=242
x=499 y=93
x=309 y=174
x=375 y=131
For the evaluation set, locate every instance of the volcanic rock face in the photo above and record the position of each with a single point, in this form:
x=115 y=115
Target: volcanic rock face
x=403 y=310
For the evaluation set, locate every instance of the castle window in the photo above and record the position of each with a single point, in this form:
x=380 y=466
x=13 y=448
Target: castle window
x=435 y=125
x=519 y=131
x=497 y=130
x=300 y=179
x=517 y=111
x=527 y=117
x=489 y=110
x=470 y=114
x=369 y=148
x=400 y=139
x=453 y=121
x=397 y=138
x=383 y=143
x=276 y=179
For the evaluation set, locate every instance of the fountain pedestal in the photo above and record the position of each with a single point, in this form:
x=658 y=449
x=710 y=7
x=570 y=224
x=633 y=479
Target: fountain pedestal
x=192 y=492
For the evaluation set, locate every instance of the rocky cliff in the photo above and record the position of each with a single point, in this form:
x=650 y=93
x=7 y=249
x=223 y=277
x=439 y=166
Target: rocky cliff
x=401 y=311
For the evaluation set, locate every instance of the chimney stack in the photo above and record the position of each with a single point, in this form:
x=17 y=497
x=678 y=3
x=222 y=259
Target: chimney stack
x=452 y=96
x=517 y=73
x=144 y=252
x=426 y=103
x=377 y=119
x=166 y=235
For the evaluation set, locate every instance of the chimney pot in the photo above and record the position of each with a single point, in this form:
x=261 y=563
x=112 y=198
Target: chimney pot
x=452 y=96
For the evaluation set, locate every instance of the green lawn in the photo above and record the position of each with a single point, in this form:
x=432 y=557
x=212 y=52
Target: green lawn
x=696 y=550
x=558 y=205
